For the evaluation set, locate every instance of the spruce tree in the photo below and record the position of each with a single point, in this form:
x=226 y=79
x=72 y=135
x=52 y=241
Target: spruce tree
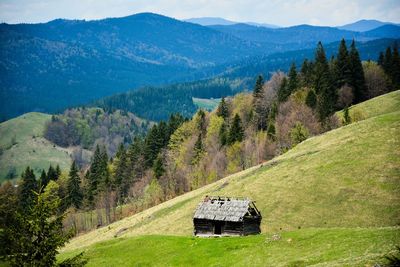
x=395 y=67
x=121 y=175
x=381 y=59
x=222 y=109
x=51 y=173
x=223 y=134
x=26 y=190
x=311 y=99
x=44 y=179
x=293 y=82
x=260 y=112
x=152 y=146
x=306 y=73
x=236 y=132
x=258 y=88
x=326 y=94
x=388 y=62
x=198 y=150
x=74 y=192
x=158 y=167
x=283 y=91
x=342 y=66
x=357 y=75
x=94 y=176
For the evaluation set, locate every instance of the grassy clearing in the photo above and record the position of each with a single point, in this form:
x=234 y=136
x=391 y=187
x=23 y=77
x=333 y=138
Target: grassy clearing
x=377 y=106
x=318 y=247
x=206 y=103
x=348 y=177
x=22 y=143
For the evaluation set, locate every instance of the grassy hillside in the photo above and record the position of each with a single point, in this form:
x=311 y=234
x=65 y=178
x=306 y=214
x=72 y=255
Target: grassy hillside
x=362 y=247
x=332 y=193
x=22 y=143
x=376 y=106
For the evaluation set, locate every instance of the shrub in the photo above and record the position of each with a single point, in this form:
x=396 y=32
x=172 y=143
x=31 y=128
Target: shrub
x=298 y=133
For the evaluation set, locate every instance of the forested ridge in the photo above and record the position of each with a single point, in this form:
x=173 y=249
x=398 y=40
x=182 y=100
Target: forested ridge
x=229 y=79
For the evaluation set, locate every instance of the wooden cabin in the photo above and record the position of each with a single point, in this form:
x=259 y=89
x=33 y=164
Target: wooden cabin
x=226 y=216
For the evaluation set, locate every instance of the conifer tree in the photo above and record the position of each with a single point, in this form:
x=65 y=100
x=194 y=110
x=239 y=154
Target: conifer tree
x=388 y=62
x=74 y=192
x=121 y=175
x=52 y=174
x=395 y=67
x=236 y=132
x=260 y=112
x=293 y=82
x=26 y=189
x=158 y=167
x=36 y=236
x=306 y=73
x=223 y=134
x=152 y=146
x=342 y=66
x=283 y=91
x=198 y=150
x=357 y=75
x=58 y=171
x=326 y=94
x=381 y=59
x=222 y=109
x=95 y=175
x=258 y=88
x=311 y=99
x=43 y=179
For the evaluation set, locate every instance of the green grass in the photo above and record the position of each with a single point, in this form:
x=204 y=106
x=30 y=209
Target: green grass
x=205 y=103
x=345 y=178
x=29 y=148
x=377 y=106
x=322 y=247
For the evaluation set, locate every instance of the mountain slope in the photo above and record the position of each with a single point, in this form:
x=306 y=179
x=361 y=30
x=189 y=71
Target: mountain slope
x=208 y=21
x=303 y=36
x=22 y=143
x=310 y=247
x=363 y=25
x=348 y=177
x=50 y=66
x=157 y=103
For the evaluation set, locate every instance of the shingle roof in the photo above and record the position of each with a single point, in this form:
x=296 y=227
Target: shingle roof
x=222 y=209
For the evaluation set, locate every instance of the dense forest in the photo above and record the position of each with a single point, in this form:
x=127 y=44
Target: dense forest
x=158 y=103
x=231 y=78
x=180 y=155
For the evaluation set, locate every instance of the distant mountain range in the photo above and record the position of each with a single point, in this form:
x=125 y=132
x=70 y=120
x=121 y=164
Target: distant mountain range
x=208 y=21
x=365 y=25
x=50 y=66
x=358 y=26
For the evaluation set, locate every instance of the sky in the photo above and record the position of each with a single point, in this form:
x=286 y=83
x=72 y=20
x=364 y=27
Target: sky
x=278 y=12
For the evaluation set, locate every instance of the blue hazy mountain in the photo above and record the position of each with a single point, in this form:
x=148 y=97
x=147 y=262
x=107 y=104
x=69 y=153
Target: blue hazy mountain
x=364 y=25
x=208 y=21
x=48 y=66
x=302 y=36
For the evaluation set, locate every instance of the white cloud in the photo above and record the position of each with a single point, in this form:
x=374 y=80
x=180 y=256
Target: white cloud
x=281 y=12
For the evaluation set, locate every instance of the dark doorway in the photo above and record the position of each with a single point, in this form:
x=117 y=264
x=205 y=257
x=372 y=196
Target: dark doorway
x=217 y=228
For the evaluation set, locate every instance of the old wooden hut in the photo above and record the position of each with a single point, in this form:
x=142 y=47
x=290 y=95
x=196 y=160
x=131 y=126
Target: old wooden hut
x=226 y=216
